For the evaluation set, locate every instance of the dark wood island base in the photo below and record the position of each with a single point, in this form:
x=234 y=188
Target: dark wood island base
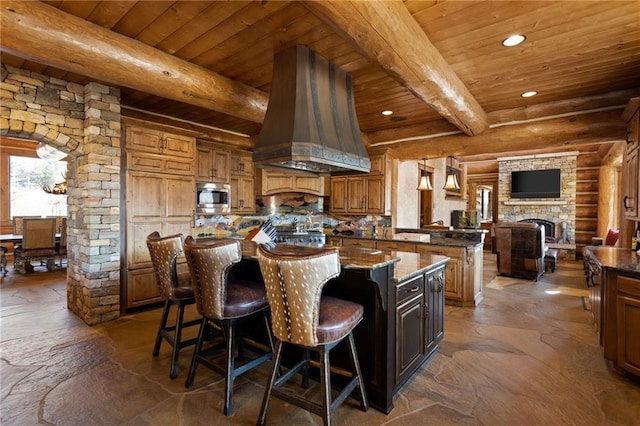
x=403 y=298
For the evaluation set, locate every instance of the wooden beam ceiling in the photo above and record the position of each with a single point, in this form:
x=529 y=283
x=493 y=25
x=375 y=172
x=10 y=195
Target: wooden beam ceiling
x=386 y=32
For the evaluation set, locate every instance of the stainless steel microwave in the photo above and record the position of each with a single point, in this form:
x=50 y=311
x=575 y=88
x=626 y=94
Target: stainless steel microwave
x=213 y=198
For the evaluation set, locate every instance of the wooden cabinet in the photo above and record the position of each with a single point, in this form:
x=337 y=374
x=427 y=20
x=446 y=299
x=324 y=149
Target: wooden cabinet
x=463 y=284
x=357 y=242
x=363 y=194
x=593 y=274
x=277 y=182
x=155 y=202
x=241 y=164
x=434 y=307
x=160 y=152
x=151 y=141
x=243 y=198
x=632 y=165
x=213 y=164
x=410 y=326
x=628 y=324
x=159 y=196
x=419 y=320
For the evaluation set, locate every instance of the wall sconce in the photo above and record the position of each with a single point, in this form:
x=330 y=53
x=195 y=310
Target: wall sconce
x=424 y=184
x=452 y=180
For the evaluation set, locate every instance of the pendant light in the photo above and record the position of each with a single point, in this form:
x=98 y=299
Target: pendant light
x=424 y=184
x=451 y=184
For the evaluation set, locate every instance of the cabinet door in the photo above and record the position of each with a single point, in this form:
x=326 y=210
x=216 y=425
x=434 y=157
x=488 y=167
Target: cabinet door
x=220 y=162
x=141 y=288
x=356 y=201
x=143 y=140
x=628 y=323
x=631 y=197
x=333 y=241
x=242 y=195
x=409 y=336
x=338 y=195
x=312 y=185
x=204 y=163
x=178 y=145
x=375 y=194
x=434 y=307
x=241 y=164
x=454 y=270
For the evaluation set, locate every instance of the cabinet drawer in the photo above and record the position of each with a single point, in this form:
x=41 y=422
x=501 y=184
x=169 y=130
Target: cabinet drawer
x=398 y=246
x=409 y=289
x=629 y=285
x=354 y=242
x=159 y=164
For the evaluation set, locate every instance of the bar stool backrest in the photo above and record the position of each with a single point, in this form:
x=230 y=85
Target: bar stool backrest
x=294 y=285
x=164 y=252
x=209 y=266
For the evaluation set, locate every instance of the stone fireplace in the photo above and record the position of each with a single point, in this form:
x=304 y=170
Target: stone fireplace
x=559 y=211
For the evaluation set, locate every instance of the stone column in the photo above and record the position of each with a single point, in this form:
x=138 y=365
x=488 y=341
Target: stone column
x=93 y=291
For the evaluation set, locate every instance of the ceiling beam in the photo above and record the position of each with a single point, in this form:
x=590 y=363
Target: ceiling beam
x=568 y=132
x=385 y=32
x=42 y=33
x=509 y=117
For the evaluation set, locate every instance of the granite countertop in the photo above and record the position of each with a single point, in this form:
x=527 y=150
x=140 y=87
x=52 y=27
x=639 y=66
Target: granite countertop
x=452 y=242
x=408 y=264
x=621 y=259
x=412 y=264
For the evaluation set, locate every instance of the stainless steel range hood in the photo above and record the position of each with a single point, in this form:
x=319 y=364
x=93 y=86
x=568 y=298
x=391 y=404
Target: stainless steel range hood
x=311 y=123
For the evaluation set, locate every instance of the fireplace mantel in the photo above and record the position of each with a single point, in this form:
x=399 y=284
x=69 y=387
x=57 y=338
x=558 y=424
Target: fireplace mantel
x=535 y=203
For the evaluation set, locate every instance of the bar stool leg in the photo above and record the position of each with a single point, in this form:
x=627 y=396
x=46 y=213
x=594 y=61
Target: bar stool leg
x=204 y=328
x=177 y=343
x=161 y=327
x=266 y=400
x=364 y=402
x=325 y=381
x=228 y=389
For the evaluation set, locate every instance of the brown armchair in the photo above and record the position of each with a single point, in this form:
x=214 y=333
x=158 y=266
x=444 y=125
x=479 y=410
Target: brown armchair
x=520 y=247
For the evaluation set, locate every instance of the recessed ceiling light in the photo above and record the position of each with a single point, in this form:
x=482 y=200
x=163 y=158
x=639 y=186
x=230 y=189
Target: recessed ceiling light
x=387 y=112
x=513 y=40
x=529 y=94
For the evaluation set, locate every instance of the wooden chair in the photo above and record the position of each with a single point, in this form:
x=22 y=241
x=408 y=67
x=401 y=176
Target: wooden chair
x=38 y=242
x=301 y=316
x=17 y=223
x=225 y=304
x=61 y=246
x=164 y=253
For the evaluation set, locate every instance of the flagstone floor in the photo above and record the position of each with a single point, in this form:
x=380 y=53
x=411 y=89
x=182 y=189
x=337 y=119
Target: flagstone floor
x=528 y=355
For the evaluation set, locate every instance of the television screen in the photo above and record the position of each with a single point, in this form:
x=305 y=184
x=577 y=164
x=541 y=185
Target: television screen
x=535 y=184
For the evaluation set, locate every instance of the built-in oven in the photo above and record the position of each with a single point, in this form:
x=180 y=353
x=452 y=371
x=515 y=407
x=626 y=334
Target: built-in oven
x=212 y=198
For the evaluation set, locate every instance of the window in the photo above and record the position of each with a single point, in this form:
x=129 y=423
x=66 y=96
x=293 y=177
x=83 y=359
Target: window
x=28 y=176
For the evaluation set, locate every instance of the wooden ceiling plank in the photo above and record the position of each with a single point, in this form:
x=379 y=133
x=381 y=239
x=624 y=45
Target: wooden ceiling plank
x=140 y=17
x=386 y=33
x=81 y=9
x=108 y=13
x=55 y=38
x=213 y=15
x=181 y=13
x=239 y=37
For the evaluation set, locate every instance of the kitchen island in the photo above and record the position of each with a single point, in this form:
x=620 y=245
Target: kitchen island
x=463 y=285
x=613 y=278
x=403 y=299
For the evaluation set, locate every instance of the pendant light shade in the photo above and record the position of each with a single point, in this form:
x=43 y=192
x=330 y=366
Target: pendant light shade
x=424 y=184
x=451 y=183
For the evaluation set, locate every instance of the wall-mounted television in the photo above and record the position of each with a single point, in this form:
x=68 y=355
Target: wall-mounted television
x=535 y=184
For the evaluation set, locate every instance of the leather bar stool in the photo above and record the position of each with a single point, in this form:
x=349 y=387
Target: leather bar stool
x=301 y=316
x=224 y=303
x=175 y=290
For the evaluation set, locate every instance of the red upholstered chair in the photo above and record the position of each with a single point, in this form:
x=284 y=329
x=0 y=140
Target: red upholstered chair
x=612 y=237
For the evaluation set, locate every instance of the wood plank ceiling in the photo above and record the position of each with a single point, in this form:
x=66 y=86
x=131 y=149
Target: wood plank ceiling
x=580 y=56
